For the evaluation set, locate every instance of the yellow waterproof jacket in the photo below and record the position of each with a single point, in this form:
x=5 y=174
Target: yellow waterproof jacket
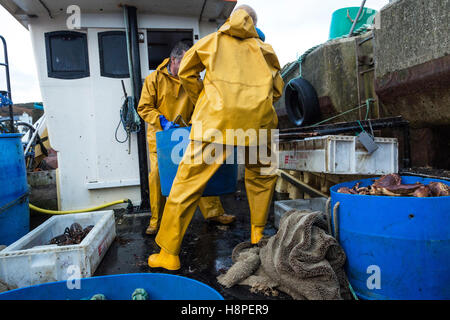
x=162 y=94
x=242 y=81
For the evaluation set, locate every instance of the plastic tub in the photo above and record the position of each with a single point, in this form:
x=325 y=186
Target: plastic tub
x=396 y=247
x=159 y=286
x=14 y=211
x=171 y=145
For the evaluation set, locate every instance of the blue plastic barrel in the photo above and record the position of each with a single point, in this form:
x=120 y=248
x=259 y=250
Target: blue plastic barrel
x=171 y=146
x=397 y=247
x=14 y=211
x=159 y=286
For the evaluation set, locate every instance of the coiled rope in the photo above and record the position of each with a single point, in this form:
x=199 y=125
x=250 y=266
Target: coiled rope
x=128 y=118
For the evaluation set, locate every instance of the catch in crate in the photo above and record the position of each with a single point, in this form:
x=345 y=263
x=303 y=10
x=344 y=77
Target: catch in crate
x=38 y=257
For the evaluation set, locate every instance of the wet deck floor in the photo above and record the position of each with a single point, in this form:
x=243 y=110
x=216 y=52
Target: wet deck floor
x=205 y=253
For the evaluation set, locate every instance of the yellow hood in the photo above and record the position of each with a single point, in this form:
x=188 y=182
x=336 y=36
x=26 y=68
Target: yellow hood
x=239 y=25
x=162 y=68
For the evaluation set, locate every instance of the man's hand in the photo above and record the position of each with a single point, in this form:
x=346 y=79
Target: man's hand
x=166 y=124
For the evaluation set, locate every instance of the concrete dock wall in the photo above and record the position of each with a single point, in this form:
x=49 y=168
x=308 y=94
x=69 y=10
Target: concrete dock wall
x=412 y=68
x=409 y=75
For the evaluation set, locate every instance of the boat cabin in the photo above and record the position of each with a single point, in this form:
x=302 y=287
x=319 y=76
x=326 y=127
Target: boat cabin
x=82 y=54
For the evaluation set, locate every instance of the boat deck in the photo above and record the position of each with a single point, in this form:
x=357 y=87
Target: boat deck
x=206 y=250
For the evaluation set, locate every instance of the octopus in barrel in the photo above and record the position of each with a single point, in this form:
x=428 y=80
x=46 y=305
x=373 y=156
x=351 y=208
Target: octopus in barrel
x=391 y=185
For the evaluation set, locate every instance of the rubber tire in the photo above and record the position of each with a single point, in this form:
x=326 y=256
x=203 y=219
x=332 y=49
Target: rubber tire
x=302 y=104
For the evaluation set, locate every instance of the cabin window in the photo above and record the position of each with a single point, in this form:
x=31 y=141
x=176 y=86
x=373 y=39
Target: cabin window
x=67 y=55
x=161 y=42
x=113 y=54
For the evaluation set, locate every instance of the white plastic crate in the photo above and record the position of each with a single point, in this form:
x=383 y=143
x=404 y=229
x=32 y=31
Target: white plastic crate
x=30 y=261
x=283 y=206
x=339 y=155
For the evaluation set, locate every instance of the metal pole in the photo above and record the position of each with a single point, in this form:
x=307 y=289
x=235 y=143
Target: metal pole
x=406 y=147
x=382 y=122
x=8 y=84
x=128 y=40
x=34 y=134
x=357 y=18
x=300 y=184
x=136 y=84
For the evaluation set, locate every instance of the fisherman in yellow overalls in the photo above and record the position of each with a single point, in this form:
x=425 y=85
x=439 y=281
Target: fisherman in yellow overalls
x=241 y=82
x=162 y=100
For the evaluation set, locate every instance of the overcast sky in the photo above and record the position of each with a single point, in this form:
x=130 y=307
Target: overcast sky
x=290 y=26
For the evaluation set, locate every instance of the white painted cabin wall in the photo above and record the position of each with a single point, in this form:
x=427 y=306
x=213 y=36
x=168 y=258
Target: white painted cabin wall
x=114 y=166
x=70 y=121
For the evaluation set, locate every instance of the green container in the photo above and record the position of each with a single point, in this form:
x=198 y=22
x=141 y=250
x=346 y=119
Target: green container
x=342 y=20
